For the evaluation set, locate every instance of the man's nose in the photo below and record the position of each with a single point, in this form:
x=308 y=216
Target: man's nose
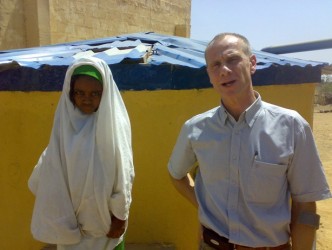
x=224 y=70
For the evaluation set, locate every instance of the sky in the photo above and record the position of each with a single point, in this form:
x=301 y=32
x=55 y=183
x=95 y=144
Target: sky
x=266 y=23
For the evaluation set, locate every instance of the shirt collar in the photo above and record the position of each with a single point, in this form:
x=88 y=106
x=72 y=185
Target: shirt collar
x=223 y=114
x=250 y=114
x=253 y=111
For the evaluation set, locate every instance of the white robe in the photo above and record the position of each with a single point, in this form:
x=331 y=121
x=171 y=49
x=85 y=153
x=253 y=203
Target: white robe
x=86 y=172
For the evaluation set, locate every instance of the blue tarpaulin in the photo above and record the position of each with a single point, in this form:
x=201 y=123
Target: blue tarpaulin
x=140 y=61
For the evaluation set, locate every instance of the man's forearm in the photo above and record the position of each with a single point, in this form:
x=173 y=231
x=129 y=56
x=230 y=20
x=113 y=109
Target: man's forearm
x=185 y=189
x=302 y=235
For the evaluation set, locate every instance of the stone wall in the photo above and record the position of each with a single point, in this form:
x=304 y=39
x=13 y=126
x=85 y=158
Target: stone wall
x=12 y=28
x=30 y=23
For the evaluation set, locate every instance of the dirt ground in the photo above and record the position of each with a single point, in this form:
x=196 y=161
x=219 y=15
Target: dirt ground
x=322 y=129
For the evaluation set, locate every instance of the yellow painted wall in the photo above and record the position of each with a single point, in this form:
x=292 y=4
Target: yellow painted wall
x=158 y=213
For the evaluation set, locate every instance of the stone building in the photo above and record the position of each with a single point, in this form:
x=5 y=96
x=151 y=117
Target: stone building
x=32 y=23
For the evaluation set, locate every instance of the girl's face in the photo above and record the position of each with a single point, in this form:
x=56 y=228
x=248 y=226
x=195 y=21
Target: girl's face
x=87 y=94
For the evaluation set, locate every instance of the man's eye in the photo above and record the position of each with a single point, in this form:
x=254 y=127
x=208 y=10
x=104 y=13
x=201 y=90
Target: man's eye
x=214 y=66
x=233 y=59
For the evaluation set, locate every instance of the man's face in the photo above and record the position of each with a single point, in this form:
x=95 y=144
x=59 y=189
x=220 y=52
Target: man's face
x=87 y=94
x=229 y=67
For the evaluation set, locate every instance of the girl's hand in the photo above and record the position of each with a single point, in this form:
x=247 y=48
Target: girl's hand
x=118 y=227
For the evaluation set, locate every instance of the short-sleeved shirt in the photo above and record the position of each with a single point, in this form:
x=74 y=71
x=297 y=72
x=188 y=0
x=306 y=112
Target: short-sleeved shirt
x=249 y=170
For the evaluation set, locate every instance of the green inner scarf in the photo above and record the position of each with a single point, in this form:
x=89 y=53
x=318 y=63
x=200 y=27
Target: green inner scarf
x=89 y=71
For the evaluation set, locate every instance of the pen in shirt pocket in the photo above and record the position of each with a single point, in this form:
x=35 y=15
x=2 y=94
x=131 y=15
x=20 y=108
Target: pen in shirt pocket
x=255 y=156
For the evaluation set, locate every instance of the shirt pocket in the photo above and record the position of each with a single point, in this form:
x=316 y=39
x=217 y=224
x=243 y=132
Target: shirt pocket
x=266 y=182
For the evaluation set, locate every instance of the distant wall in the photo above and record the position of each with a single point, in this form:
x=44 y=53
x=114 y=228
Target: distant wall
x=158 y=213
x=12 y=28
x=31 y=23
x=72 y=20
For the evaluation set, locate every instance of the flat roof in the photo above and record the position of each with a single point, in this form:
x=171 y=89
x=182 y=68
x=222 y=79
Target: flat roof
x=140 y=61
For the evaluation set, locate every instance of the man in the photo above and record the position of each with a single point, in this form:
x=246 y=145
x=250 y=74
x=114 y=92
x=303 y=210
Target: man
x=259 y=171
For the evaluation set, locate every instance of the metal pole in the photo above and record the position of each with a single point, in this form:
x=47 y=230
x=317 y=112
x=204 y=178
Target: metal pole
x=300 y=47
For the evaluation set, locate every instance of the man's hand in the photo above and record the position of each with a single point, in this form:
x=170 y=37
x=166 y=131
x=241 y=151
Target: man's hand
x=118 y=227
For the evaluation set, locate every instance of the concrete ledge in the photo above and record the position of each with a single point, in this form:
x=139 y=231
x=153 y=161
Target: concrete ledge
x=49 y=247
x=155 y=246
x=133 y=246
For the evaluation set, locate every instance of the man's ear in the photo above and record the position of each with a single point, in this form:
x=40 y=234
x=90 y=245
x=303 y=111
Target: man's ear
x=253 y=64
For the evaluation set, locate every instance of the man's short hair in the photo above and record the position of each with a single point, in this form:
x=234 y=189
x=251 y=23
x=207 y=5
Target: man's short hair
x=246 y=47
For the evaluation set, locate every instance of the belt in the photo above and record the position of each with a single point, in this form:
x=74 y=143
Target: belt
x=218 y=242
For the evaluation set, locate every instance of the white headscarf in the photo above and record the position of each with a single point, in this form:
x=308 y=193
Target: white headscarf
x=86 y=172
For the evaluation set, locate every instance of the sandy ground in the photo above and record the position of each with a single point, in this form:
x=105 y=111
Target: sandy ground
x=322 y=129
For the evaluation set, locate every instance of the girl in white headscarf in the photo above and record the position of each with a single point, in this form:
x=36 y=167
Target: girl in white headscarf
x=83 y=179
